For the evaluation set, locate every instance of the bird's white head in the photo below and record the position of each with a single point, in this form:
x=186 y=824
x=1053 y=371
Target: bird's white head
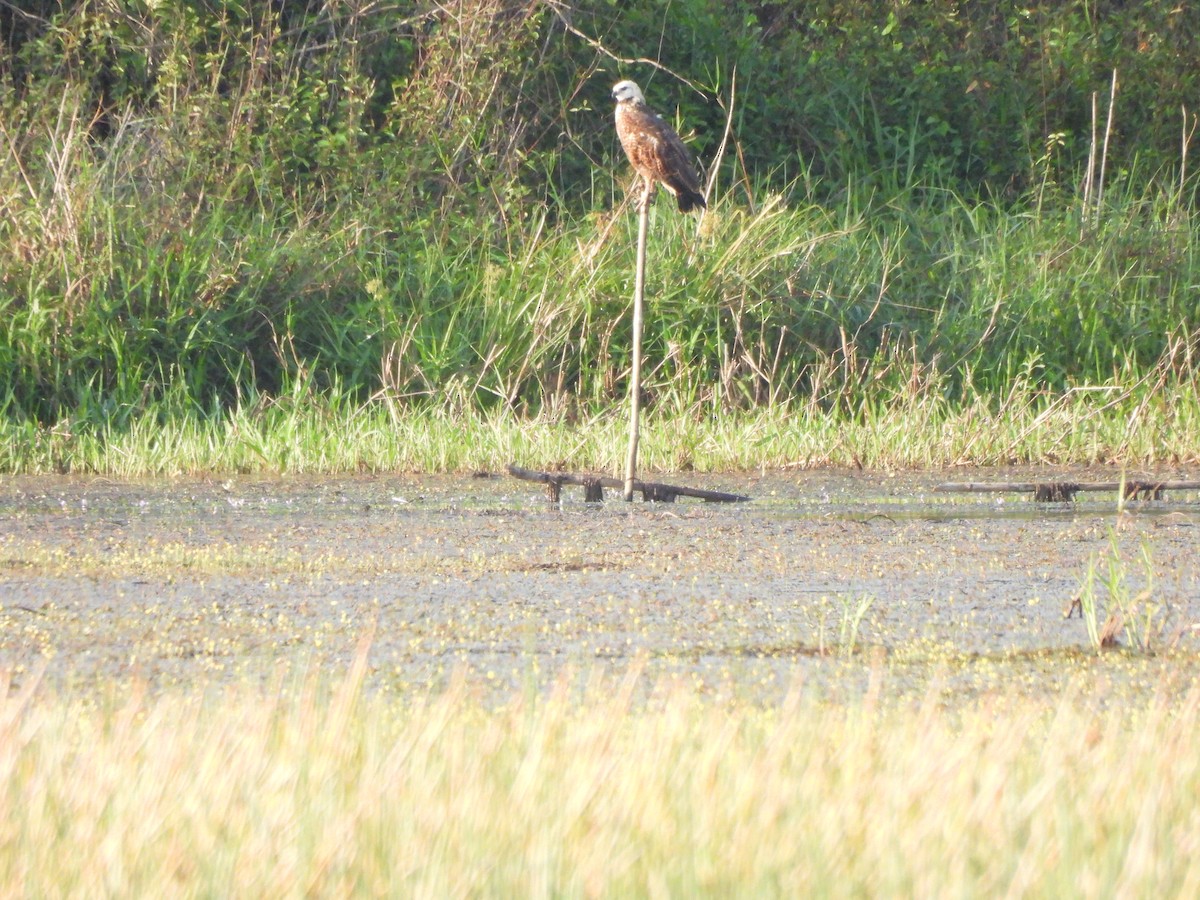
x=625 y=91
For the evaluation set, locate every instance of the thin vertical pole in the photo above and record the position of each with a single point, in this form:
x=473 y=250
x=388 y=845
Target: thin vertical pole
x=635 y=375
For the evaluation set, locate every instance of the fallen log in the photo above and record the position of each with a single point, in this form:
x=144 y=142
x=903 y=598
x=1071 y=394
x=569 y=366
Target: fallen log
x=594 y=487
x=1057 y=491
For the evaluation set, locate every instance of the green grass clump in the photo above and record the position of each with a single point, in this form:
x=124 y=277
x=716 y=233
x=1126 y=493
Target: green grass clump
x=1116 y=602
x=914 y=425
x=321 y=789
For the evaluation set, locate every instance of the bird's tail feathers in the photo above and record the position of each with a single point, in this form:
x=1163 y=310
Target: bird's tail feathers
x=689 y=200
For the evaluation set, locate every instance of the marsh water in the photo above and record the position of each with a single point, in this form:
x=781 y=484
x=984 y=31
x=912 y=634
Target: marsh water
x=186 y=580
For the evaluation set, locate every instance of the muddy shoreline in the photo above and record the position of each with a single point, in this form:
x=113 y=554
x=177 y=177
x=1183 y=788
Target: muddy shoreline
x=823 y=576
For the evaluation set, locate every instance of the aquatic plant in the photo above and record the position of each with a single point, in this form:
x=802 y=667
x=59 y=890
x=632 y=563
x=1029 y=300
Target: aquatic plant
x=1113 y=601
x=850 y=615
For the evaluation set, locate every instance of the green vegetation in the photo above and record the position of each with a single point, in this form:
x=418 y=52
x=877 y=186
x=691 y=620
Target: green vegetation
x=1110 y=606
x=337 y=237
x=320 y=789
x=1143 y=423
x=237 y=239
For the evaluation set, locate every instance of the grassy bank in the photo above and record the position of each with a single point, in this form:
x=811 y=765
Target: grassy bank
x=770 y=301
x=595 y=790
x=1152 y=422
x=921 y=331
x=228 y=240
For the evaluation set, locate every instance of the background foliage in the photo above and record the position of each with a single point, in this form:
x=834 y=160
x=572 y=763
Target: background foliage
x=206 y=204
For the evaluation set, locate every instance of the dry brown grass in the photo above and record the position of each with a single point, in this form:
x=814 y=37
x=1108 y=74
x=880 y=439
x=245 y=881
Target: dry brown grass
x=601 y=786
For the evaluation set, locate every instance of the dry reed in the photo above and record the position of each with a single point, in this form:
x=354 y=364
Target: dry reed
x=601 y=786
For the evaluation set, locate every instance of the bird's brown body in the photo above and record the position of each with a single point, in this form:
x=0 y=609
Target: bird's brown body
x=655 y=150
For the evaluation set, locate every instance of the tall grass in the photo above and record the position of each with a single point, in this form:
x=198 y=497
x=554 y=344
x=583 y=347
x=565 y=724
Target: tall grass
x=271 y=346
x=241 y=231
x=119 y=310
x=615 y=788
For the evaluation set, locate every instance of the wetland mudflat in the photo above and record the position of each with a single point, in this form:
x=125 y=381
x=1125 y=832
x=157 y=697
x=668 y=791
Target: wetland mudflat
x=214 y=579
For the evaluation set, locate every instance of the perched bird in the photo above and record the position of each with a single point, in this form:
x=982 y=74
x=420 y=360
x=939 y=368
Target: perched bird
x=654 y=149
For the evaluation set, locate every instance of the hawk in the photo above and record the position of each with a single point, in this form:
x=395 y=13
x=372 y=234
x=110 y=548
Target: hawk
x=654 y=149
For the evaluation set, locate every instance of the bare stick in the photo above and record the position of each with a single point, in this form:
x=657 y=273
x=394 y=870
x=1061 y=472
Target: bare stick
x=1112 y=102
x=635 y=373
x=1183 y=153
x=1090 y=175
x=715 y=169
x=650 y=489
x=1066 y=490
x=563 y=14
